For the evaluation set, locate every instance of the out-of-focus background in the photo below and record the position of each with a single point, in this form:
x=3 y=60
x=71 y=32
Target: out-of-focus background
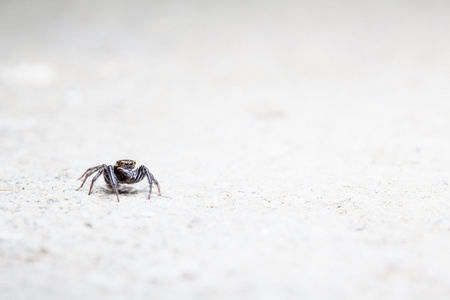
x=302 y=149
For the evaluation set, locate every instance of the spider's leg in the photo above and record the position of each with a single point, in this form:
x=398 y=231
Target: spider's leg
x=92 y=170
x=88 y=173
x=143 y=171
x=111 y=179
x=156 y=183
x=94 y=179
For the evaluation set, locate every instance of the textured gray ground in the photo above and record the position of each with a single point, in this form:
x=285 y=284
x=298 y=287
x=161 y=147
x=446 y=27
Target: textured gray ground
x=302 y=148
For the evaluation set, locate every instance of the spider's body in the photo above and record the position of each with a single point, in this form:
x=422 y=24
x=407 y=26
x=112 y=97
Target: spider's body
x=122 y=172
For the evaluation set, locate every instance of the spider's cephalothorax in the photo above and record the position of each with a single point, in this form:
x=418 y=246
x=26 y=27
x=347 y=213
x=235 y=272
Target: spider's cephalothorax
x=122 y=172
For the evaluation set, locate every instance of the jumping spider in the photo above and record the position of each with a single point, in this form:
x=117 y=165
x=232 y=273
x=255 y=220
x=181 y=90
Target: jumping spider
x=122 y=172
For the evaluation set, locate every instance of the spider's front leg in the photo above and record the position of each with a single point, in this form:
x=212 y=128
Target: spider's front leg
x=111 y=179
x=143 y=171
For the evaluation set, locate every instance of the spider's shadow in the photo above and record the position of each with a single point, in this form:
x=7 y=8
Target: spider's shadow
x=122 y=190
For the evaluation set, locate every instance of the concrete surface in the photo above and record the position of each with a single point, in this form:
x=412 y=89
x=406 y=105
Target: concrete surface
x=302 y=149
